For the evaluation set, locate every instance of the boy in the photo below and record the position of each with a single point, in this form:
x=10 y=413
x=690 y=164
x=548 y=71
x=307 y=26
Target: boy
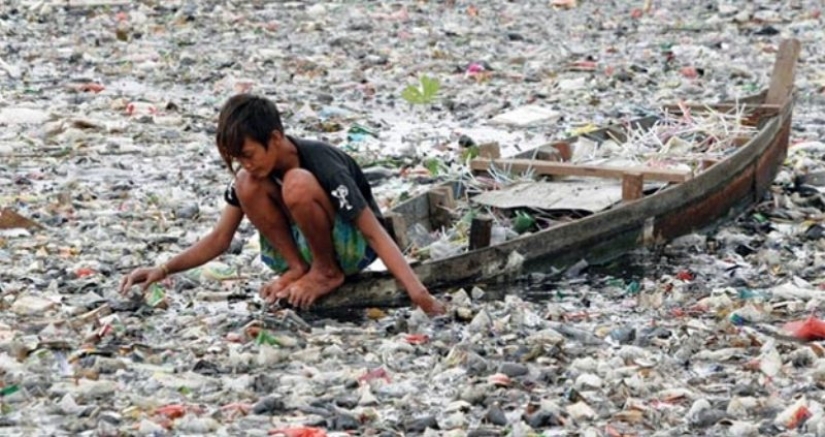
x=311 y=204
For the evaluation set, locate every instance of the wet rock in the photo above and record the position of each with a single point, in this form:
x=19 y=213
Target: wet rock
x=268 y=405
x=542 y=419
x=187 y=212
x=495 y=416
x=343 y=422
x=419 y=424
x=513 y=369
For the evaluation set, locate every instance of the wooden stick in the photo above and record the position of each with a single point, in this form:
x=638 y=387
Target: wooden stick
x=566 y=169
x=632 y=186
x=481 y=229
x=442 y=203
x=766 y=109
x=784 y=69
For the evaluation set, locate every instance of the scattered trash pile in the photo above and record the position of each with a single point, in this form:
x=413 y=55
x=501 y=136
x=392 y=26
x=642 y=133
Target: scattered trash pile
x=107 y=118
x=676 y=141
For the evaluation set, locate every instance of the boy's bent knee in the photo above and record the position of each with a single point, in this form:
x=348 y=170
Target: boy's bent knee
x=300 y=186
x=248 y=188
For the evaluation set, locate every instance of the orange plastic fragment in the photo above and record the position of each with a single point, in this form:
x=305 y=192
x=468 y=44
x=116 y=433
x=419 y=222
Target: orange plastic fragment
x=299 y=431
x=810 y=329
x=173 y=411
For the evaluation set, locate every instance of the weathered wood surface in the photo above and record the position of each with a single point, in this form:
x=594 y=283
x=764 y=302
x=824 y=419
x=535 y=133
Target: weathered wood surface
x=567 y=169
x=480 y=232
x=726 y=188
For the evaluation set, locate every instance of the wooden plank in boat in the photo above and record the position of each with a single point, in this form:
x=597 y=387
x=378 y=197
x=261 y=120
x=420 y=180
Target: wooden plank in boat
x=566 y=169
x=585 y=194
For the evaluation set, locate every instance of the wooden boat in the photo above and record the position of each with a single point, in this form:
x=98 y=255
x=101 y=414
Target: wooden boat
x=687 y=202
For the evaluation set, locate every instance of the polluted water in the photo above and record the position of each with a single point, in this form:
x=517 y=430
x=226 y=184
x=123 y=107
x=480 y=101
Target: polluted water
x=108 y=112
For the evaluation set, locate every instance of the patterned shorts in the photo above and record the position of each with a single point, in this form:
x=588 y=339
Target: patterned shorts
x=351 y=249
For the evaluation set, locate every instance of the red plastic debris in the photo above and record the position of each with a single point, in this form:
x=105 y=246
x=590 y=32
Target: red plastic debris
x=375 y=374
x=84 y=271
x=475 y=68
x=636 y=13
x=173 y=411
x=810 y=329
x=684 y=275
x=689 y=72
x=417 y=338
x=584 y=66
x=799 y=417
x=299 y=431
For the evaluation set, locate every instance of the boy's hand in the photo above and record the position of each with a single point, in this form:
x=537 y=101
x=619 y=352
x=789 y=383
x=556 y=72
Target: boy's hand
x=428 y=303
x=143 y=277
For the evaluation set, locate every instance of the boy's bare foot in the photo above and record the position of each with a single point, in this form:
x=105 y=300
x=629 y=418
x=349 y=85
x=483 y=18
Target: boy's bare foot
x=315 y=284
x=273 y=290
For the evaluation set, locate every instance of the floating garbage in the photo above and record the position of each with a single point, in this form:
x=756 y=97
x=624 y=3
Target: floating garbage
x=107 y=131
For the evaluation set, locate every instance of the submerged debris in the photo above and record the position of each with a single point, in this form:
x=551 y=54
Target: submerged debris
x=107 y=121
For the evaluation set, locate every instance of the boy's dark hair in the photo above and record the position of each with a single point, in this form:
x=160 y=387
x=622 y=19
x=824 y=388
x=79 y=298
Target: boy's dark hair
x=245 y=116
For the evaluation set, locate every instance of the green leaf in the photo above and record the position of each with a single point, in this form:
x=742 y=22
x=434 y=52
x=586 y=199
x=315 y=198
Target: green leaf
x=433 y=165
x=429 y=87
x=266 y=338
x=469 y=153
x=412 y=95
x=424 y=93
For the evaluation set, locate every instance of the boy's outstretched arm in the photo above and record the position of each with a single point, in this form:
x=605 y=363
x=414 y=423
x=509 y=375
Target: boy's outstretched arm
x=206 y=249
x=391 y=255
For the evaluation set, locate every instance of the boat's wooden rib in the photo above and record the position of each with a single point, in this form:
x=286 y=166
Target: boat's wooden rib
x=723 y=189
x=567 y=169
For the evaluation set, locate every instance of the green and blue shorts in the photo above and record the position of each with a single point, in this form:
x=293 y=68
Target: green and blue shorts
x=352 y=251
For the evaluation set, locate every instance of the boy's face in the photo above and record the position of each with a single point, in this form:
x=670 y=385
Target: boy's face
x=257 y=160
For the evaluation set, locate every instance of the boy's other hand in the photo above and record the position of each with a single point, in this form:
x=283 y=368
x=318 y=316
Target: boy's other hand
x=144 y=277
x=429 y=304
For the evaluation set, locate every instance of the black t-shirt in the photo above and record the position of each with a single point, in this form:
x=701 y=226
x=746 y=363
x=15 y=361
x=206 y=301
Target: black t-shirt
x=339 y=176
